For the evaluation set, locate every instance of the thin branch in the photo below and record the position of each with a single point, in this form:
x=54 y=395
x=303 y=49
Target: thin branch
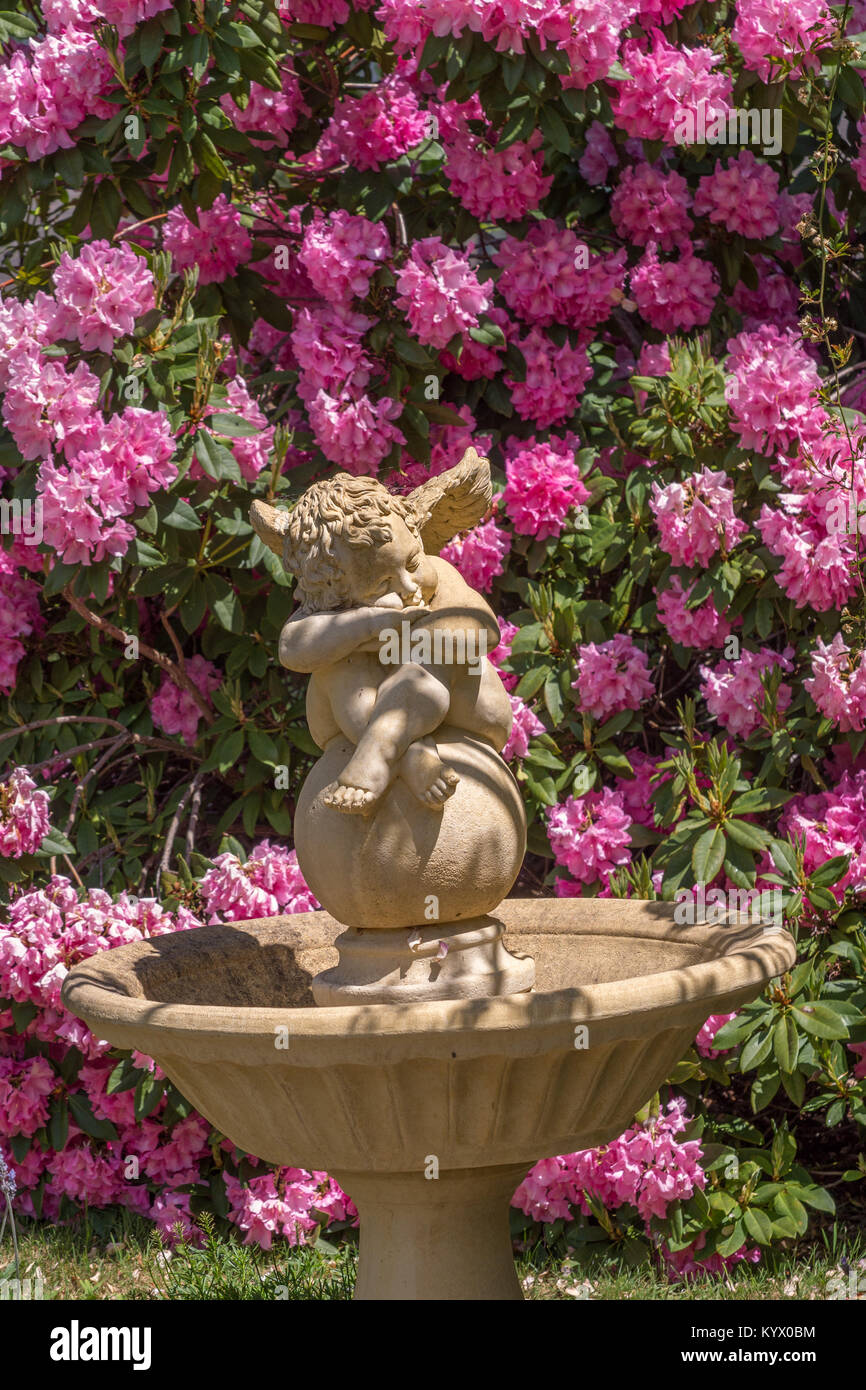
x=165 y=663
x=173 y=827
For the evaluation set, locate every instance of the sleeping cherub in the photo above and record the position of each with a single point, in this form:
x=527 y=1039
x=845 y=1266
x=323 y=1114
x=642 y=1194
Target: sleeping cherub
x=369 y=577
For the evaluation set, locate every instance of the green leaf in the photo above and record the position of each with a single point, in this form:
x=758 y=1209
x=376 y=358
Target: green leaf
x=745 y=834
x=55 y=842
x=758 y=1225
x=708 y=855
x=786 y=1042
x=82 y=1113
x=216 y=460
x=819 y=1020
x=148 y=1094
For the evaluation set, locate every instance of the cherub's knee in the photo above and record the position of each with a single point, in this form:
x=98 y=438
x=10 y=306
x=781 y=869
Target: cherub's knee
x=424 y=689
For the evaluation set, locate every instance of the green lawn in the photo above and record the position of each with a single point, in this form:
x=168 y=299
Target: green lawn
x=126 y=1260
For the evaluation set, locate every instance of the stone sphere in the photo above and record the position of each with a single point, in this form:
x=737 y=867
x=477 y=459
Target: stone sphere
x=380 y=870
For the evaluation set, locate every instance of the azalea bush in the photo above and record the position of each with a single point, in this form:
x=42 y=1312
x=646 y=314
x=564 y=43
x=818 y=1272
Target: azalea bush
x=618 y=245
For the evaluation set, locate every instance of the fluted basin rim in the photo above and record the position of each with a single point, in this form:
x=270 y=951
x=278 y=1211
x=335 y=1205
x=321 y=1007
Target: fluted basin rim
x=101 y=990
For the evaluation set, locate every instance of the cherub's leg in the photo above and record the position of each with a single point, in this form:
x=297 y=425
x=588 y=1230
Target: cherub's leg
x=426 y=775
x=410 y=704
x=480 y=705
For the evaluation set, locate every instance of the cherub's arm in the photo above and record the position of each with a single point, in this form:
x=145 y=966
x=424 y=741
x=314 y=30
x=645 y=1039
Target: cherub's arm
x=311 y=640
x=459 y=608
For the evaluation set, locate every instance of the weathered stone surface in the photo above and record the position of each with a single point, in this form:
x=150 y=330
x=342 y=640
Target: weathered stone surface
x=481 y=1084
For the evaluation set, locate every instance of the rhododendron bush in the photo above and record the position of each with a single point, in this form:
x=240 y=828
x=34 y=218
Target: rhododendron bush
x=619 y=247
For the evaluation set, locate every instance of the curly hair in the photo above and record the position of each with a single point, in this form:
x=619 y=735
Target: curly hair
x=354 y=510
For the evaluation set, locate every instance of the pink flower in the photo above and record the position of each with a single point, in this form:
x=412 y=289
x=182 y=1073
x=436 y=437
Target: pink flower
x=590 y=835
x=502 y=652
x=373 y=129
x=742 y=197
x=708 y=1031
x=782 y=29
x=268 y=113
x=526 y=725
x=496 y=185
x=550 y=277
x=174 y=709
x=19 y=618
x=734 y=692
x=355 y=432
x=701 y=626
x=611 y=676
x=772 y=390
x=696 y=517
x=544 y=483
x=25 y=1086
x=341 y=252
x=480 y=554
x=555 y=377
x=439 y=292
x=47 y=406
x=269 y=882
x=650 y=204
x=674 y=296
x=666 y=85
x=219 y=245
x=24 y=815
x=838 y=685
x=101 y=293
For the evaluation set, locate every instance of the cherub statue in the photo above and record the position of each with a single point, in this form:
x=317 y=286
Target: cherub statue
x=369 y=578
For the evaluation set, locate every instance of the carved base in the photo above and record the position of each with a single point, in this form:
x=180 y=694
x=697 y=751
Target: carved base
x=450 y=960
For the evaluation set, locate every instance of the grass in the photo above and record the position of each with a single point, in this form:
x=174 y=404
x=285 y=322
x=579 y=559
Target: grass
x=123 y=1258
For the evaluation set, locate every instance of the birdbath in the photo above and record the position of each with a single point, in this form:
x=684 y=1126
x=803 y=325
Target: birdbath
x=424 y=1038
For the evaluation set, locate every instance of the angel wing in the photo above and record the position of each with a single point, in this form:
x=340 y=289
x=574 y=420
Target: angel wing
x=270 y=525
x=453 y=501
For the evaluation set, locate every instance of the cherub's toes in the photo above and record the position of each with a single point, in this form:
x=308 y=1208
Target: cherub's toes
x=450 y=777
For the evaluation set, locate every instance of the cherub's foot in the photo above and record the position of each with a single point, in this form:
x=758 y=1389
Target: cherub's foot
x=354 y=800
x=426 y=775
x=361 y=783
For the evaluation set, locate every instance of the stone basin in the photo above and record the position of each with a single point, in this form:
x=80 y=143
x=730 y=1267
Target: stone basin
x=428 y=1114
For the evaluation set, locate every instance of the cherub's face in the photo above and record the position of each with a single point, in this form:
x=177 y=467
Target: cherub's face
x=397 y=567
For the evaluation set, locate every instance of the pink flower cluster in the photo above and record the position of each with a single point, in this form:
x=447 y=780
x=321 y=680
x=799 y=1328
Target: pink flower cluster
x=268 y=883
x=734 y=692
x=550 y=277
x=439 y=292
x=341 y=252
x=480 y=554
x=48 y=87
x=550 y=391
x=526 y=725
x=24 y=815
x=500 y=185
x=832 y=823
x=647 y=1168
x=174 y=709
x=543 y=484
x=674 y=296
x=838 y=684
x=611 y=676
x=651 y=204
x=666 y=85
x=701 y=626
x=743 y=197
x=218 y=246
x=590 y=835
x=696 y=517
x=772 y=389
x=100 y=293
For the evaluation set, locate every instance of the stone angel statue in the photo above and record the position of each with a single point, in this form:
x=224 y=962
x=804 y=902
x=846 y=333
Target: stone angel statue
x=392 y=635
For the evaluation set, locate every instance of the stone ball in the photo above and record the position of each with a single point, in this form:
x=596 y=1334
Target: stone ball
x=381 y=869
